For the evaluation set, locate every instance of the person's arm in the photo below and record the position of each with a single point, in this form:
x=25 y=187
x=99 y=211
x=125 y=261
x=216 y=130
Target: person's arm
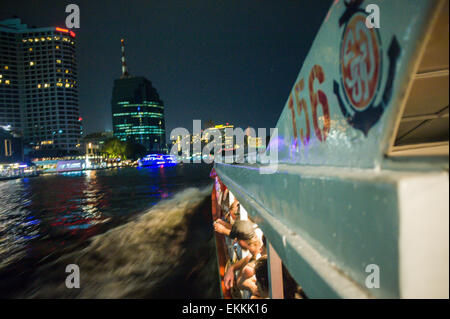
x=233 y=208
x=228 y=279
x=224 y=223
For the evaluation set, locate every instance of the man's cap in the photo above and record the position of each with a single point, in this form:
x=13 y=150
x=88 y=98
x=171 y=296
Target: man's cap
x=243 y=230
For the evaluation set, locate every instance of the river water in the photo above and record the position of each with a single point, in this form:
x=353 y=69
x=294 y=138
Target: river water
x=133 y=233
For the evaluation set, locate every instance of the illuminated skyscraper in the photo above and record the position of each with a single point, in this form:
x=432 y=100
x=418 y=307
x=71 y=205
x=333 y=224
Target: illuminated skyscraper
x=137 y=111
x=226 y=131
x=38 y=87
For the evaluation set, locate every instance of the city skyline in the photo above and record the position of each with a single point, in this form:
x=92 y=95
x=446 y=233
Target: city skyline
x=224 y=154
x=234 y=63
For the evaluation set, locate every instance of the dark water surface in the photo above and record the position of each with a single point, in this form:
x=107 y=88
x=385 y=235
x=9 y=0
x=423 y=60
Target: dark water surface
x=151 y=227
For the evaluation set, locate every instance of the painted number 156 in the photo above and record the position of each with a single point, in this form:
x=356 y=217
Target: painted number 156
x=317 y=99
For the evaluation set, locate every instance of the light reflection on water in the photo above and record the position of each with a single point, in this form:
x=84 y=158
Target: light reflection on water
x=50 y=214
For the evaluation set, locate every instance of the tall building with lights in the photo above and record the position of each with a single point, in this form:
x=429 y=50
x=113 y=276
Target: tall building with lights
x=137 y=111
x=226 y=132
x=38 y=87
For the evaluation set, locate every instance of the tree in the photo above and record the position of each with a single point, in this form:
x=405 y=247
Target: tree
x=115 y=148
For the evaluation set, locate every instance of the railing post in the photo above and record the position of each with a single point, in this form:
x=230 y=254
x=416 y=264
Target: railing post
x=275 y=274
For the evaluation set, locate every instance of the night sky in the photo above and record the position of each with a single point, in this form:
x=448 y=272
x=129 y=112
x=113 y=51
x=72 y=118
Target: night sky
x=228 y=61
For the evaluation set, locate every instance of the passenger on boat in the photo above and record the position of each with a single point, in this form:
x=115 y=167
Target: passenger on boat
x=234 y=210
x=224 y=201
x=262 y=279
x=249 y=237
x=239 y=230
x=246 y=279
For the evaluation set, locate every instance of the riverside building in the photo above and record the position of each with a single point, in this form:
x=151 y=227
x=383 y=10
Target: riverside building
x=137 y=111
x=38 y=87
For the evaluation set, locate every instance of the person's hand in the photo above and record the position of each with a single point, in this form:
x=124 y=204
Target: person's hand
x=221 y=229
x=224 y=223
x=228 y=279
x=248 y=271
x=250 y=284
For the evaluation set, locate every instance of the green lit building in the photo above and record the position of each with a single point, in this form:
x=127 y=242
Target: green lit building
x=138 y=112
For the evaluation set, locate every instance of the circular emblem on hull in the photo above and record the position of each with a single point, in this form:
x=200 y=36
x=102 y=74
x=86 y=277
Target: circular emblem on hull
x=360 y=62
x=360 y=68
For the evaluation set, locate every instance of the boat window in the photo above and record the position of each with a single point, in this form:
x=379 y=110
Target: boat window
x=423 y=129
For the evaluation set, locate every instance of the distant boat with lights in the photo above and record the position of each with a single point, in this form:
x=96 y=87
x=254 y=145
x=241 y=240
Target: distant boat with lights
x=157 y=160
x=356 y=204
